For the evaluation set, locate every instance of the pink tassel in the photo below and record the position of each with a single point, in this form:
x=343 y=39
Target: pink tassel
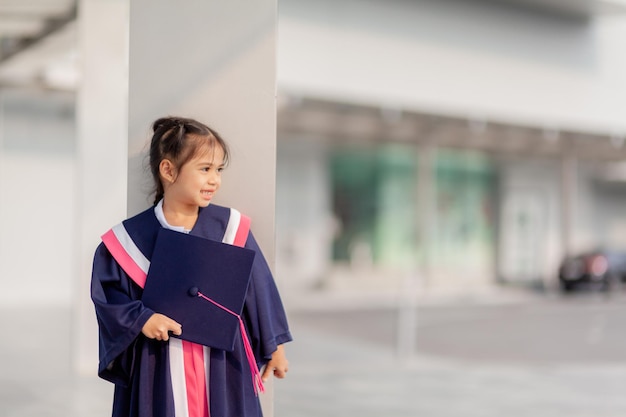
x=257 y=382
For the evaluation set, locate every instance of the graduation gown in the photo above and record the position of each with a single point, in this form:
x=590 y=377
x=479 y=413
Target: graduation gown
x=141 y=368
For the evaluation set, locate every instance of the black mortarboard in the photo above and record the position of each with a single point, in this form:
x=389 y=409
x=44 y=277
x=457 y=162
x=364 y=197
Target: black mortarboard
x=184 y=268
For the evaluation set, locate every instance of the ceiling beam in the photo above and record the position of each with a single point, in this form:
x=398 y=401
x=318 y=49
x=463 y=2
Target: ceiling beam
x=341 y=123
x=13 y=46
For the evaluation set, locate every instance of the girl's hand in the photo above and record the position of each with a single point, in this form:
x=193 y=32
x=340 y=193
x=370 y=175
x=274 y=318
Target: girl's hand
x=158 y=327
x=278 y=365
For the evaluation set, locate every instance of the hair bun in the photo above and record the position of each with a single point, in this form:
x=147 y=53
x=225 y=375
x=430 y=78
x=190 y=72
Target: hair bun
x=168 y=123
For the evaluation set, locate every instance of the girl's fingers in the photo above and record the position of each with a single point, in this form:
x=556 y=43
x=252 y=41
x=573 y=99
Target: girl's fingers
x=178 y=329
x=280 y=373
x=266 y=373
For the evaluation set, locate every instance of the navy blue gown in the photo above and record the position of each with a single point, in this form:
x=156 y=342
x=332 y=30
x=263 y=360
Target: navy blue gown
x=140 y=367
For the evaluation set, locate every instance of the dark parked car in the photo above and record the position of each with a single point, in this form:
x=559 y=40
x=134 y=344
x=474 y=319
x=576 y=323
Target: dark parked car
x=600 y=269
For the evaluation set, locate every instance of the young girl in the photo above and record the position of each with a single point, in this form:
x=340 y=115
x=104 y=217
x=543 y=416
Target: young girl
x=156 y=375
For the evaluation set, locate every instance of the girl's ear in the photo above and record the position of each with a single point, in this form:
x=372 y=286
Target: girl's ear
x=167 y=171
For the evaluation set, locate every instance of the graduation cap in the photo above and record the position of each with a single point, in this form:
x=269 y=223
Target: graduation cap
x=200 y=283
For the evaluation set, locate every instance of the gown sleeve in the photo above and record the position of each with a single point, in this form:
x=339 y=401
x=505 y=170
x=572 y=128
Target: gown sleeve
x=121 y=315
x=264 y=312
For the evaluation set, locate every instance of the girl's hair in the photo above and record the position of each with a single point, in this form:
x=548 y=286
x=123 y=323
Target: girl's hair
x=179 y=140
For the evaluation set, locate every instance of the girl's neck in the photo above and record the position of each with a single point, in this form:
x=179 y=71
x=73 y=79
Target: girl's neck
x=180 y=215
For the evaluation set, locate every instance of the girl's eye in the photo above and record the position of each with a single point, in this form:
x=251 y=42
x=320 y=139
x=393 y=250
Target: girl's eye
x=220 y=169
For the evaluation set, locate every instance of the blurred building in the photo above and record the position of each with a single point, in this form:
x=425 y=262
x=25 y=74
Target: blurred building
x=468 y=143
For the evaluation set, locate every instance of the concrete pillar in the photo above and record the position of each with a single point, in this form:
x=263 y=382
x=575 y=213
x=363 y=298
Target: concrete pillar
x=569 y=197
x=101 y=117
x=212 y=60
x=419 y=277
x=426 y=209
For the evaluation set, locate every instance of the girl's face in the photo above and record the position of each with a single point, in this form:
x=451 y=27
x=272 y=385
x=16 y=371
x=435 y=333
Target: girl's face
x=198 y=180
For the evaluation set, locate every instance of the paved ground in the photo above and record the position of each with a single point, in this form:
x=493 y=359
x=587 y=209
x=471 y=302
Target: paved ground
x=344 y=363
x=35 y=361
x=370 y=383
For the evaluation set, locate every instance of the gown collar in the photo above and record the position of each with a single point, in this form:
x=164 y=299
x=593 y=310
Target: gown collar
x=158 y=212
